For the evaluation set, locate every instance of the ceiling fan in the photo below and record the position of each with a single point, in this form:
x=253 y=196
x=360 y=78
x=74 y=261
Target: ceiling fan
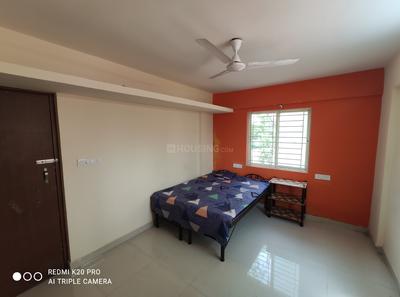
x=234 y=64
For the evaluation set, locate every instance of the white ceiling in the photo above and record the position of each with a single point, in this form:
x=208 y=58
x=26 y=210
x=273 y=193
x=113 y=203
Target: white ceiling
x=158 y=36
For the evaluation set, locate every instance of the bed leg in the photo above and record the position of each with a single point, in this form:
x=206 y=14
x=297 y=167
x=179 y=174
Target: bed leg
x=222 y=256
x=156 y=220
x=189 y=236
x=180 y=232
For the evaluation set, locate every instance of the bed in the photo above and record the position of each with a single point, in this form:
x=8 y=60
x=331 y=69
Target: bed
x=211 y=204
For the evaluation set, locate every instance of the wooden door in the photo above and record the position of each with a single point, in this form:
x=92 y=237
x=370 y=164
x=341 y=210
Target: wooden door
x=32 y=210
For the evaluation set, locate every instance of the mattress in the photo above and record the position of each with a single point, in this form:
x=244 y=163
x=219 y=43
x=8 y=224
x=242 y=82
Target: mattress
x=208 y=204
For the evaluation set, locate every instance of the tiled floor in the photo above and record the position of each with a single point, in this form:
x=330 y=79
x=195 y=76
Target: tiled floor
x=266 y=257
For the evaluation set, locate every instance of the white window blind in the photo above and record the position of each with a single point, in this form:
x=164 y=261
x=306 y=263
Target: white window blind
x=279 y=139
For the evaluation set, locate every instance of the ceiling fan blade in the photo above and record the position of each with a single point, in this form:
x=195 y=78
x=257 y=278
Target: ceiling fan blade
x=219 y=74
x=272 y=63
x=214 y=50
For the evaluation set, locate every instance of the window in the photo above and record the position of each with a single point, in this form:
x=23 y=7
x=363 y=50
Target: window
x=279 y=139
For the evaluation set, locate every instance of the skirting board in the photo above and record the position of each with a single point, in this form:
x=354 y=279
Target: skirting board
x=381 y=252
x=93 y=256
x=345 y=225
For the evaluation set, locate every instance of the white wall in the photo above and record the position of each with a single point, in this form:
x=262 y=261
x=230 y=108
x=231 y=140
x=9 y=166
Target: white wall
x=385 y=208
x=206 y=139
x=110 y=199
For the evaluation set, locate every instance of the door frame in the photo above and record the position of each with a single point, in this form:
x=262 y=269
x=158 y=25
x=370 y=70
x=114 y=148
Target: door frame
x=55 y=134
x=60 y=179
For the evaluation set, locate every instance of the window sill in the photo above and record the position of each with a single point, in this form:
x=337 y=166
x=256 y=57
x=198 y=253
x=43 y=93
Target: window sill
x=277 y=168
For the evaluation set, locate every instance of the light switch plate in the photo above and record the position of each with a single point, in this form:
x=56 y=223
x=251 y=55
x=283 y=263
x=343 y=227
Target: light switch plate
x=237 y=165
x=86 y=162
x=320 y=176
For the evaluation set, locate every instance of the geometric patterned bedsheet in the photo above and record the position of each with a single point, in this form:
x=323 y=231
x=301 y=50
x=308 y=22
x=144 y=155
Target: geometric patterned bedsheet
x=208 y=204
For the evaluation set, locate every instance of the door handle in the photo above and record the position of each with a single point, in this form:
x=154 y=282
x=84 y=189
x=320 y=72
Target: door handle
x=46 y=161
x=45 y=175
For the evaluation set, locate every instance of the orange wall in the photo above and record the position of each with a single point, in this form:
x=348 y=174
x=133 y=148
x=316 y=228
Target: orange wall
x=344 y=133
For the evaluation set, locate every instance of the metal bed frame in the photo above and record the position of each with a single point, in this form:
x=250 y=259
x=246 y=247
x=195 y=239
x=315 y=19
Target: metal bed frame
x=264 y=195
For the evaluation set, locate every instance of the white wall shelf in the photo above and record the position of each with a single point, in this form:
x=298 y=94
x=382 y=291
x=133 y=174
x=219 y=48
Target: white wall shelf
x=23 y=77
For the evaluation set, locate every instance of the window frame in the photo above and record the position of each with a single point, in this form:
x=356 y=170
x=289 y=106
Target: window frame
x=284 y=168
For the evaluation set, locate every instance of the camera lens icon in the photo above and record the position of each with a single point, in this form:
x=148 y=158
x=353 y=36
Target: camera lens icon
x=17 y=276
x=27 y=276
x=37 y=276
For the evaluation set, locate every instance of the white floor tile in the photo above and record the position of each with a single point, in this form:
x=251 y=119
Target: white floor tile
x=190 y=291
x=46 y=290
x=343 y=285
x=152 y=281
x=265 y=257
x=119 y=264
